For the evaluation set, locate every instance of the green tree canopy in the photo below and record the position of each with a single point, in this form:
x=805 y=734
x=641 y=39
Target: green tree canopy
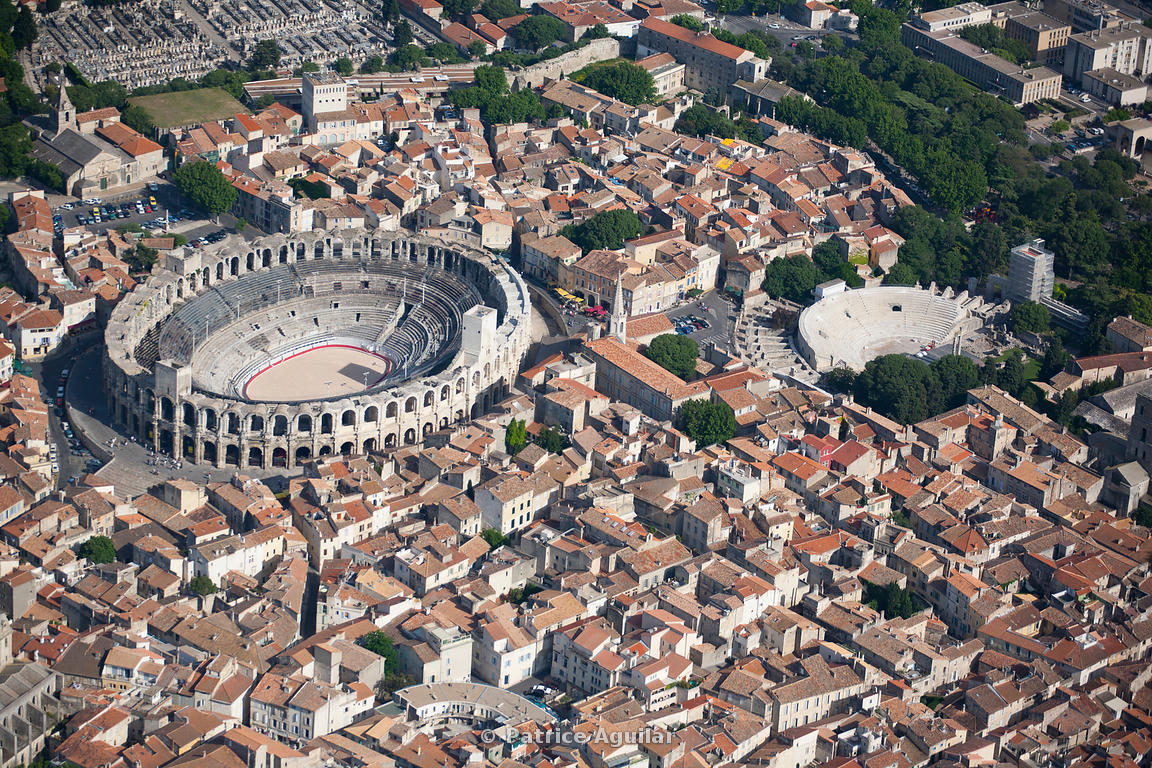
x=202 y=585
x=1030 y=316
x=402 y=33
x=266 y=55
x=908 y=390
x=605 y=230
x=675 y=353
x=515 y=436
x=707 y=422
x=382 y=645
x=344 y=66
x=24 y=32
x=622 y=80
x=688 y=22
x=552 y=440
x=204 y=184
x=500 y=9
x=698 y=120
x=792 y=277
x=98 y=549
x=536 y=32
x=493 y=537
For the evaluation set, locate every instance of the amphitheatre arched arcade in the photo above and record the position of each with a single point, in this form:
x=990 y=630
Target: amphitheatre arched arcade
x=412 y=334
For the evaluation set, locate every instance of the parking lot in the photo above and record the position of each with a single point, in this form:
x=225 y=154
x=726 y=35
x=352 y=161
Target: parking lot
x=715 y=311
x=149 y=205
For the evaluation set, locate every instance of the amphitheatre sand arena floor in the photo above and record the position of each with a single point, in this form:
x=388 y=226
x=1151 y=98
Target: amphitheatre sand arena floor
x=321 y=372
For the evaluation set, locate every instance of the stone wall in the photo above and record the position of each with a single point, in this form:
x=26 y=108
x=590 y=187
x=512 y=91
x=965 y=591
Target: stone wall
x=562 y=66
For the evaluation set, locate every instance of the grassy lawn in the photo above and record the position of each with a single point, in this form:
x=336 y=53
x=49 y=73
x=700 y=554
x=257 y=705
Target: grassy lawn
x=579 y=74
x=169 y=110
x=1031 y=365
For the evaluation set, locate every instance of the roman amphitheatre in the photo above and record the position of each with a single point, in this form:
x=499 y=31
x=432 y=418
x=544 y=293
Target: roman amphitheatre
x=267 y=354
x=855 y=326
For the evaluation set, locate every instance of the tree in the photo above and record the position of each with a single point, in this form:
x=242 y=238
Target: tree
x=707 y=422
x=389 y=11
x=552 y=440
x=306 y=66
x=491 y=79
x=598 y=32
x=458 y=8
x=536 y=32
x=138 y=119
x=477 y=49
x=893 y=601
x=1059 y=126
x=202 y=585
x=500 y=9
x=698 y=120
x=688 y=22
x=266 y=55
x=606 y=230
x=51 y=6
x=98 y=549
x=1112 y=115
x=204 y=184
x=674 y=353
x=402 y=33
x=494 y=538
x=24 y=30
x=955 y=375
x=382 y=645
x=515 y=436
x=1030 y=317
x=792 y=278
x=1056 y=359
x=621 y=80
x=840 y=379
x=343 y=65
x=899 y=387
x=241 y=223
x=372 y=65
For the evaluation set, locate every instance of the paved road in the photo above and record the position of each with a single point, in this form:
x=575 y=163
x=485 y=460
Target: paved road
x=129 y=470
x=49 y=372
x=786 y=28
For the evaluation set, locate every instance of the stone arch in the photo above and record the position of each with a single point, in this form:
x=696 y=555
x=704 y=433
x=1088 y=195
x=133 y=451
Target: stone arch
x=390 y=441
x=460 y=385
x=167 y=409
x=209 y=452
x=347 y=448
x=325 y=450
x=410 y=436
x=279 y=457
x=188 y=447
x=210 y=421
x=445 y=391
x=189 y=415
x=429 y=399
x=348 y=418
x=303 y=453
x=232 y=423
x=280 y=425
x=220 y=270
x=256 y=457
x=234 y=268
x=326 y=424
x=391 y=410
x=427 y=428
x=410 y=405
x=444 y=422
x=371 y=413
x=370 y=445
x=232 y=455
x=255 y=423
x=304 y=423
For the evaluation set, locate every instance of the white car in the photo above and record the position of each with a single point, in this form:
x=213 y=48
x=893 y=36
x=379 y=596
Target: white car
x=416 y=79
x=773 y=26
x=1085 y=98
x=441 y=78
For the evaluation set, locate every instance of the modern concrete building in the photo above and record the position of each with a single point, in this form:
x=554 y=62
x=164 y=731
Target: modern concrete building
x=1045 y=36
x=999 y=76
x=1115 y=88
x=1126 y=49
